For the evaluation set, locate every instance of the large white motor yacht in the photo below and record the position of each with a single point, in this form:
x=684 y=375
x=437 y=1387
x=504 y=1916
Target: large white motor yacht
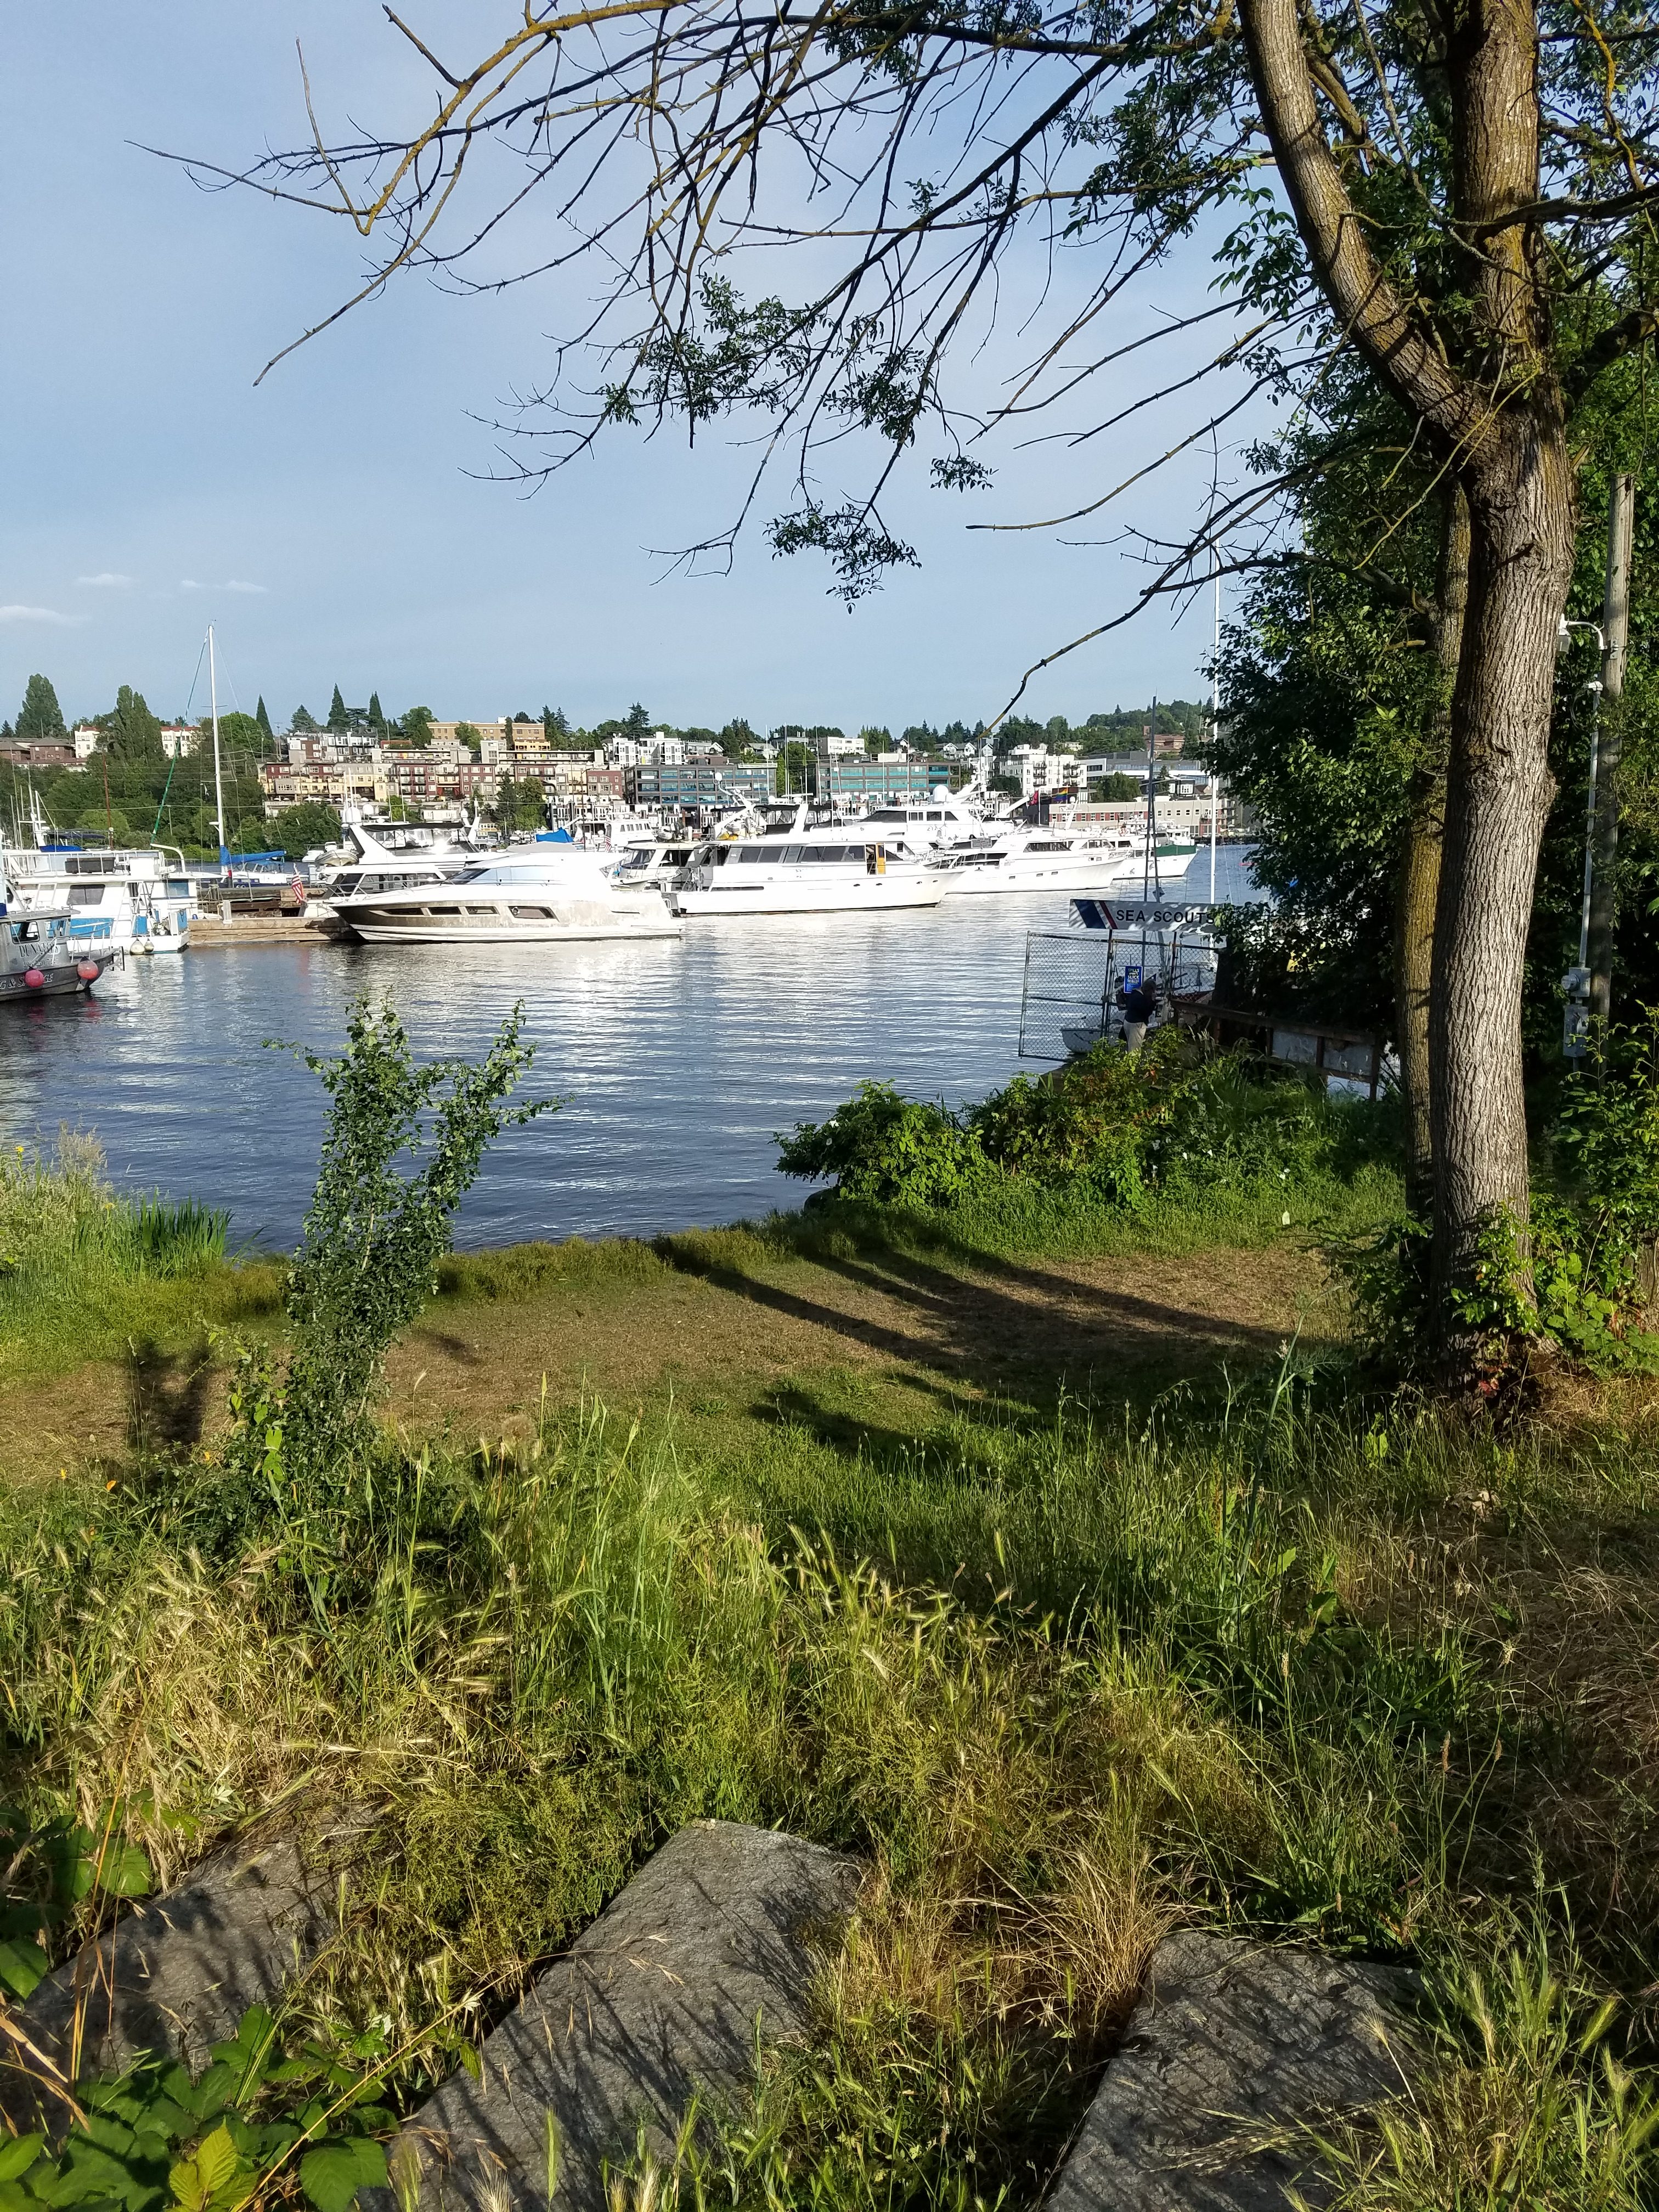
x=840 y=868
x=542 y=893
x=379 y=867
x=1074 y=861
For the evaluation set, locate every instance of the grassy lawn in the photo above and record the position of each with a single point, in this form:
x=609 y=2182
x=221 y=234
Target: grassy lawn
x=1077 y=1587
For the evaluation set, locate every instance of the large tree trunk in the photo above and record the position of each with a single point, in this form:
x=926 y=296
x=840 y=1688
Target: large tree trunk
x=1521 y=497
x=1419 y=870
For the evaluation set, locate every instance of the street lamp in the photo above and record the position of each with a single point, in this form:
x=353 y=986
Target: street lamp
x=1574 y=1024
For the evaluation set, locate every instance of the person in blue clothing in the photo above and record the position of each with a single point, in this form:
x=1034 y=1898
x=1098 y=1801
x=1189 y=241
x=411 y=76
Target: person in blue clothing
x=1139 y=1005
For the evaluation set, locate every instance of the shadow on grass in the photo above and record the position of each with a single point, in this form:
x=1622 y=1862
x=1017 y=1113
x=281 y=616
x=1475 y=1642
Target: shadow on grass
x=167 y=1397
x=1006 y=1323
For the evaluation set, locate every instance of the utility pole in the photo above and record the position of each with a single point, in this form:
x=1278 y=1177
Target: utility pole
x=1616 y=624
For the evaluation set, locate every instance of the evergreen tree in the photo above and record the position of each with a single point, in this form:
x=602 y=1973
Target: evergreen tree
x=553 y=724
x=638 y=724
x=302 y=720
x=40 y=716
x=337 y=717
x=131 y=733
x=262 y=718
x=376 y=719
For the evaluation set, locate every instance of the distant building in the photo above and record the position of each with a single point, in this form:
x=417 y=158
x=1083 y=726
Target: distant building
x=179 y=739
x=38 y=752
x=701 y=783
x=87 y=738
x=895 y=775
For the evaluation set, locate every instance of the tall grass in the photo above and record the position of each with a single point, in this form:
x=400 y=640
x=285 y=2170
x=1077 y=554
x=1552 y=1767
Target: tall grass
x=1305 y=1667
x=82 y=1267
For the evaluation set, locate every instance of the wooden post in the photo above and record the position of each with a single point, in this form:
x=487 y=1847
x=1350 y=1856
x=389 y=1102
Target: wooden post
x=1615 y=624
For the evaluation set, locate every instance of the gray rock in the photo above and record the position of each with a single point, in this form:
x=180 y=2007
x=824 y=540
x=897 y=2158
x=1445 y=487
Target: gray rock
x=175 y=1974
x=1229 y=2044
x=663 y=1995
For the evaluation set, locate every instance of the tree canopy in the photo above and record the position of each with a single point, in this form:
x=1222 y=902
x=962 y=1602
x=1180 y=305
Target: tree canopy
x=39 y=717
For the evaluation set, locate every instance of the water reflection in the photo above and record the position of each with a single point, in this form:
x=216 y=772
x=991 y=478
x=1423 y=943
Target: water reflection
x=679 y=1061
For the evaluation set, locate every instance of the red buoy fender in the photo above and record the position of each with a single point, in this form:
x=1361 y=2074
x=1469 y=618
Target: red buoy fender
x=33 y=978
x=89 y=971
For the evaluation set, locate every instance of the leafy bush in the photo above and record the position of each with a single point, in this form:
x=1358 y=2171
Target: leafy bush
x=151 y=2137
x=1109 y=1127
x=889 y=1151
x=1584 y=1239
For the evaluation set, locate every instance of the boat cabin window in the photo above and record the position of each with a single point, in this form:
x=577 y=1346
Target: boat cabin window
x=532 y=913
x=25 y=932
x=86 y=895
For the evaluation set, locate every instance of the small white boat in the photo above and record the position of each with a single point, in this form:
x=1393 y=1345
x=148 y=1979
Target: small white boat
x=841 y=868
x=1072 y=861
x=40 y=959
x=536 y=894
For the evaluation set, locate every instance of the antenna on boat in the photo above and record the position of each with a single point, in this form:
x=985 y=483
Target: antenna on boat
x=218 y=772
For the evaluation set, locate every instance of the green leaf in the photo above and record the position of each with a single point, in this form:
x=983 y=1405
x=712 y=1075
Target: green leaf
x=23 y=1964
x=123 y=1870
x=216 y=2179
x=18 y=2156
x=14 y=2197
x=331 y=2175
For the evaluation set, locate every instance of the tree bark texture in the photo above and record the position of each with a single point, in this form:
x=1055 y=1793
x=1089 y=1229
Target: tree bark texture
x=1492 y=408
x=1615 y=625
x=1498 y=789
x=1418 y=885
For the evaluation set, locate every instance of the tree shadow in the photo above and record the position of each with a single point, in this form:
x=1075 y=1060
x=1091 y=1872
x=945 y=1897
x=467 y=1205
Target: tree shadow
x=166 y=1397
x=1008 y=1326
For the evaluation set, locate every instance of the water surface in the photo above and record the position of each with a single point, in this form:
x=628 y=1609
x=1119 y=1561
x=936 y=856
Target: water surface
x=679 y=1060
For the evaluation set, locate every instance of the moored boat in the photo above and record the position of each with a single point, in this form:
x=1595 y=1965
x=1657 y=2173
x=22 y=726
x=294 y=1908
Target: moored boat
x=536 y=894
x=39 y=958
x=840 y=868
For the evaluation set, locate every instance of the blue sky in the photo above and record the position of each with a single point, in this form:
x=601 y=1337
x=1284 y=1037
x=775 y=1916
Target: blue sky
x=327 y=522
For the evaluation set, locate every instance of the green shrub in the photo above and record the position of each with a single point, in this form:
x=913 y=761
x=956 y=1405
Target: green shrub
x=888 y=1150
x=1109 y=1129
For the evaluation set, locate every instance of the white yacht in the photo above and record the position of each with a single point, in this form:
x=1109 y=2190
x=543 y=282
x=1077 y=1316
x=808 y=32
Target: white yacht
x=836 y=868
x=141 y=901
x=653 y=864
x=1074 y=861
x=542 y=893
x=941 y=821
x=38 y=957
x=379 y=867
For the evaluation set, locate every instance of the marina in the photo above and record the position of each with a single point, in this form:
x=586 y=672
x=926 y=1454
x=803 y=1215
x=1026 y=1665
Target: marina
x=679 y=1060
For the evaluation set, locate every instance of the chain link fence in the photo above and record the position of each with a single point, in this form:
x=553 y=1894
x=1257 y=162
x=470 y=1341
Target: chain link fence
x=1072 y=976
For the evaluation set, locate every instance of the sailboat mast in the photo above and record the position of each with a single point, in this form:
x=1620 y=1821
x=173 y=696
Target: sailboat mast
x=218 y=771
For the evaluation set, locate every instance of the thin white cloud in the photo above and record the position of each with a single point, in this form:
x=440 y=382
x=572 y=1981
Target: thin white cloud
x=234 y=585
x=189 y=584
x=107 y=579
x=16 y=614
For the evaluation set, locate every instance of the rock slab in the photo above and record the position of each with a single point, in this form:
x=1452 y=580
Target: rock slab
x=662 y=1997
x=1229 y=2043
x=174 y=1975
